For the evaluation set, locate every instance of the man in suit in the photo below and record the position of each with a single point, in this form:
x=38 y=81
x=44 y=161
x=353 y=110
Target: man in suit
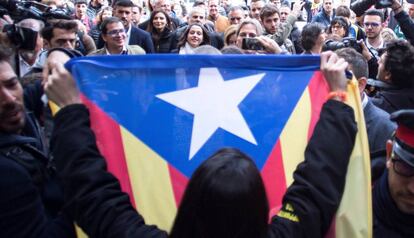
x=378 y=123
x=135 y=36
x=114 y=35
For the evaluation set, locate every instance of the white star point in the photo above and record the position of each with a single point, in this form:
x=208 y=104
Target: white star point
x=214 y=104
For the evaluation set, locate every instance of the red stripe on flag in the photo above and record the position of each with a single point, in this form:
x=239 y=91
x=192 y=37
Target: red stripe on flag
x=178 y=182
x=318 y=91
x=274 y=177
x=108 y=133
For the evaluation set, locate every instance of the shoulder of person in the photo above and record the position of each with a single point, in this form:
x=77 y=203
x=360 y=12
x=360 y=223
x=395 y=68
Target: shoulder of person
x=135 y=50
x=100 y=51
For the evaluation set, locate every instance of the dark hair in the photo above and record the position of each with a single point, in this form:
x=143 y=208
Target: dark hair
x=150 y=27
x=340 y=21
x=68 y=25
x=399 y=61
x=374 y=12
x=108 y=21
x=343 y=11
x=268 y=10
x=123 y=3
x=356 y=60
x=310 y=34
x=183 y=38
x=224 y=198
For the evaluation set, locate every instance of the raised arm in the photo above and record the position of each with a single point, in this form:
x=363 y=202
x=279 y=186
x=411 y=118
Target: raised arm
x=93 y=196
x=312 y=200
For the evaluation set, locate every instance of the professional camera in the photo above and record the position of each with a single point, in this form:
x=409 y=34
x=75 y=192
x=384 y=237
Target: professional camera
x=346 y=42
x=19 y=10
x=23 y=38
x=251 y=44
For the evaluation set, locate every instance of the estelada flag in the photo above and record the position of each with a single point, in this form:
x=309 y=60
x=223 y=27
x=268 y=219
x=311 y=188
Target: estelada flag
x=157 y=117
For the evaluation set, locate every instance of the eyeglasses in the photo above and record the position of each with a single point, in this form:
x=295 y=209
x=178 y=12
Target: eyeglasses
x=401 y=167
x=372 y=24
x=114 y=33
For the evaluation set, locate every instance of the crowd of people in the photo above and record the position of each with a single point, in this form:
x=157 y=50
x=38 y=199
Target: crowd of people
x=53 y=175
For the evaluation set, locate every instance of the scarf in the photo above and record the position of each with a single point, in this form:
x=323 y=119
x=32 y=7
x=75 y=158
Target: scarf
x=387 y=216
x=186 y=49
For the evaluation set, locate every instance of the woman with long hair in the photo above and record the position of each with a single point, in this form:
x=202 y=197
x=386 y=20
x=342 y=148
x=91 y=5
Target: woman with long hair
x=161 y=31
x=194 y=36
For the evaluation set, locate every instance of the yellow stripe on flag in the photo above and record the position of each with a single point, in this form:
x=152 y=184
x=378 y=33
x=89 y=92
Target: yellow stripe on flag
x=150 y=181
x=294 y=136
x=354 y=216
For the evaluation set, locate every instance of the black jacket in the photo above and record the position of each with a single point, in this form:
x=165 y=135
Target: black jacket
x=162 y=44
x=391 y=100
x=30 y=194
x=95 y=199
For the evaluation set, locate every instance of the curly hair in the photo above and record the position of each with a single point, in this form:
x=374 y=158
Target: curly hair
x=310 y=34
x=399 y=61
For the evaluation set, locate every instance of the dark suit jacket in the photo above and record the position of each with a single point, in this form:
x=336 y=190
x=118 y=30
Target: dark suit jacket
x=141 y=38
x=379 y=130
x=138 y=37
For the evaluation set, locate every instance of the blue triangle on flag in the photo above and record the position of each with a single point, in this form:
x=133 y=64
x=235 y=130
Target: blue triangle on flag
x=126 y=88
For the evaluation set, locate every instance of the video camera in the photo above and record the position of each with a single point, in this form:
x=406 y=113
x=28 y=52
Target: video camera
x=19 y=10
x=346 y=42
x=23 y=38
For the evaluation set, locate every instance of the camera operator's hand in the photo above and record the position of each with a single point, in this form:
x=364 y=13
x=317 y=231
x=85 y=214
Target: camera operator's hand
x=333 y=68
x=58 y=83
x=270 y=46
x=396 y=7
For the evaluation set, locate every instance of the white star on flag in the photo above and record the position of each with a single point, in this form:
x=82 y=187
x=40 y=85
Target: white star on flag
x=214 y=104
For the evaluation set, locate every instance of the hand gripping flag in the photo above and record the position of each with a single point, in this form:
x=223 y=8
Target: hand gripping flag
x=157 y=117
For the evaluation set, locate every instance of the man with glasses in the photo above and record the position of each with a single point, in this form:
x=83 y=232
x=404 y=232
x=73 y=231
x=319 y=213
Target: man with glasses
x=393 y=194
x=134 y=35
x=373 y=24
x=114 y=36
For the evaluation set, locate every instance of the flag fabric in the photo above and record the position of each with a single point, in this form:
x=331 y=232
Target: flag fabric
x=157 y=117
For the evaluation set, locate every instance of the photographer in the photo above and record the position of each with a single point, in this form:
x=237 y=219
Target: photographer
x=396 y=69
x=25 y=58
x=251 y=40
